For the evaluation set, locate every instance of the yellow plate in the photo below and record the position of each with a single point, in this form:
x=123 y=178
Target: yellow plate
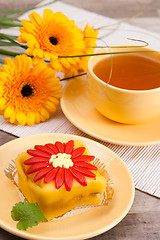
x=82 y=226
x=80 y=112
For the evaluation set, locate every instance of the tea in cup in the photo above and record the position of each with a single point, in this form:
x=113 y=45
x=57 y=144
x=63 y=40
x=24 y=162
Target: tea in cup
x=132 y=94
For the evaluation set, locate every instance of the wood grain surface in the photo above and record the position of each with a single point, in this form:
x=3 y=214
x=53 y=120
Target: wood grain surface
x=143 y=221
x=110 y=8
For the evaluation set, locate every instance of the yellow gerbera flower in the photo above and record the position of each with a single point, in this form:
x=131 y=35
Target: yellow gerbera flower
x=28 y=94
x=89 y=37
x=54 y=35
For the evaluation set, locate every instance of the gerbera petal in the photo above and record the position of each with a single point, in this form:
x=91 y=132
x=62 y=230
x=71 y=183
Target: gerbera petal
x=78 y=152
x=22 y=61
x=21 y=118
x=36 y=167
x=51 y=175
x=65 y=63
x=26 y=63
x=13 y=118
x=69 y=147
x=48 y=15
x=60 y=147
x=52 y=147
x=84 y=158
x=2 y=102
x=4 y=71
x=85 y=165
x=51 y=105
x=29 y=52
x=43 y=172
x=44 y=113
x=84 y=171
x=49 y=73
x=37 y=117
x=30 y=118
x=42 y=118
x=10 y=62
x=20 y=39
x=61 y=17
x=68 y=179
x=37 y=60
x=59 y=178
x=8 y=112
x=1 y=91
x=40 y=53
x=37 y=153
x=29 y=27
x=78 y=176
x=35 y=18
x=56 y=65
x=34 y=160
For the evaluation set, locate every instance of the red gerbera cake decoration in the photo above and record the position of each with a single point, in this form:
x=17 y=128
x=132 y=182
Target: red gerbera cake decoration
x=61 y=163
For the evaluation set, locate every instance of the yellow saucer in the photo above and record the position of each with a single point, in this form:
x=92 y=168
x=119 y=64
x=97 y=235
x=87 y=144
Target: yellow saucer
x=80 y=112
x=84 y=225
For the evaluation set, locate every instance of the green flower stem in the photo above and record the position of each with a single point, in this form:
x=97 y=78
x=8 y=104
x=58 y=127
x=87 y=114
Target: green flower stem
x=5 y=37
x=10 y=23
x=1 y=61
x=9 y=36
x=9 y=19
x=9 y=53
x=120 y=46
x=8 y=11
x=6 y=44
x=110 y=53
x=63 y=79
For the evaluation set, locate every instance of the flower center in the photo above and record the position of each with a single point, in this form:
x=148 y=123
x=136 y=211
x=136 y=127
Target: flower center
x=27 y=90
x=61 y=160
x=53 y=40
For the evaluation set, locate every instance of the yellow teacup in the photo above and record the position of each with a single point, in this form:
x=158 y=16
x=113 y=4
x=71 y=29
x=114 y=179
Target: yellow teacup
x=123 y=105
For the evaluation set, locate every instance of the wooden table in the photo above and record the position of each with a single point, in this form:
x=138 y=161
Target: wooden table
x=143 y=220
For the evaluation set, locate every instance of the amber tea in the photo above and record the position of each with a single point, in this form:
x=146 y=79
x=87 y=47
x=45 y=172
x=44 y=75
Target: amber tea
x=129 y=71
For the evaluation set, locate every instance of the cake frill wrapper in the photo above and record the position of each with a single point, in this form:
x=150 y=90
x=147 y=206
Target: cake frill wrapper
x=11 y=173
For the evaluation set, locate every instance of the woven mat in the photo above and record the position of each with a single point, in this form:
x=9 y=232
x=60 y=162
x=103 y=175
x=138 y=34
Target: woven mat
x=143 y=162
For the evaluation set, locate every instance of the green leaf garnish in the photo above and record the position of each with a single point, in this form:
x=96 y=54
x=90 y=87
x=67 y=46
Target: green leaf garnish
x=27 y=214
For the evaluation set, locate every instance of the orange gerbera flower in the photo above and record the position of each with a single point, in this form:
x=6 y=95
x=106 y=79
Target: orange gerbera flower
x=89 y=37
x=53 y=36
x=28 y=94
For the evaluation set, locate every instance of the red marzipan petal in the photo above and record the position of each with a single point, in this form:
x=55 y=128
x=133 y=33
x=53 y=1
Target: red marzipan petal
x=42 y=173
x=59 y=178
x=33 y=160
x=78 y=176
x=78 y=152
x=60 y=147
x=69 y=147
x=44 y=149
x=85 y=165
x=84 y=158
x=37 y=153
x=85 y=172
x=68 y=179
x=51 y=175
x=52 y=147
x=36 y=167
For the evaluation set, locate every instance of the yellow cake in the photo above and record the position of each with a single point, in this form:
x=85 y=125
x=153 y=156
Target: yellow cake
x=59 y=177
